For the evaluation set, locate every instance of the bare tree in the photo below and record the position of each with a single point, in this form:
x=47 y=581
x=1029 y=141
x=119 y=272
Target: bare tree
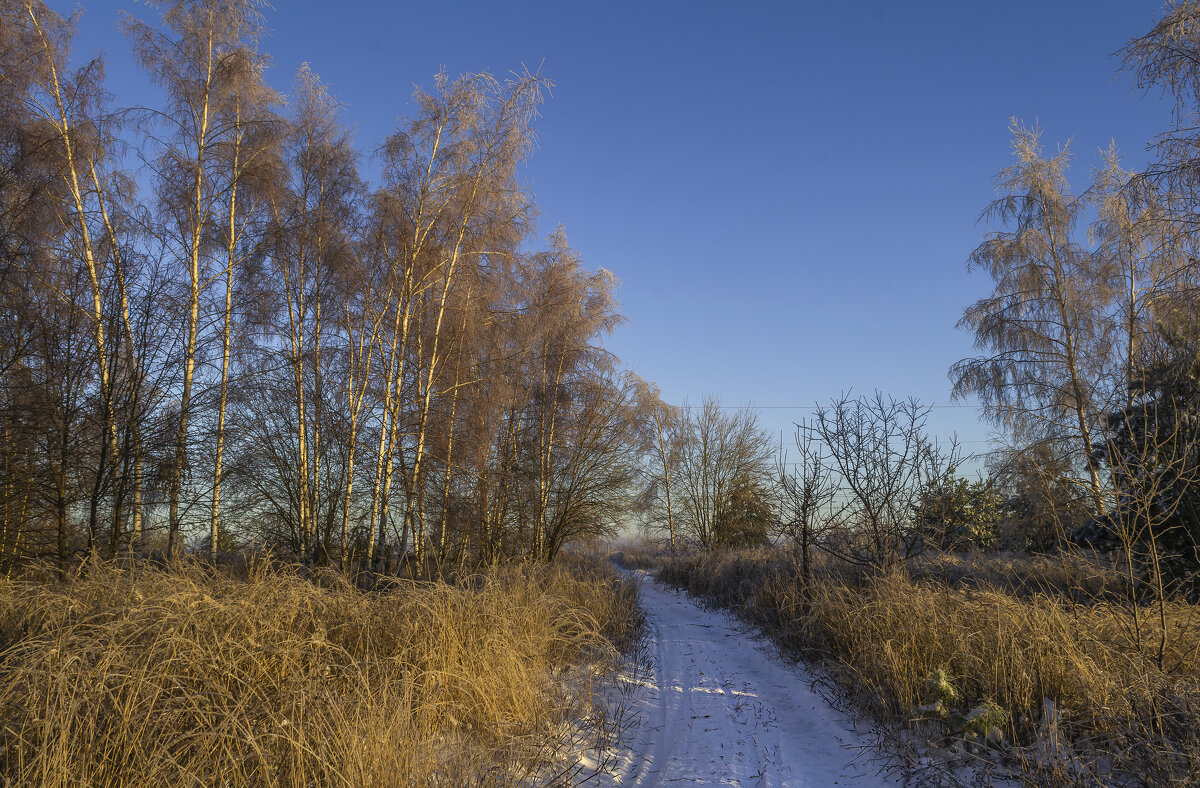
x=488 y=213
x=263 y=305
x=1153 y=462
x=246 y=163
x=602 y=437
x=1145 y=257
x=666 y=422
x=68 y=106
x=807 y=491
x=1168 y=58
x=883 y=459
x=719 y=451
x=310 y=255
x=449 y=202
x=361 y=324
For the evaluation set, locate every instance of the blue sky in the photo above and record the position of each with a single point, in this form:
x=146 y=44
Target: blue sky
x=788 y=191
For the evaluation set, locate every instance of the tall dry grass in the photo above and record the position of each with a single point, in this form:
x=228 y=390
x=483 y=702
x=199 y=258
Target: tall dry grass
x=1003 y=636
x=192 y=676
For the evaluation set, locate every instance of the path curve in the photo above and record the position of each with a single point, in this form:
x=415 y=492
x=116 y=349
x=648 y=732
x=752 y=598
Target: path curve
x=716 y=707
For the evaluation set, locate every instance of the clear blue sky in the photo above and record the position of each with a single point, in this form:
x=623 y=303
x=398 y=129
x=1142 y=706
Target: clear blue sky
x=788 y=191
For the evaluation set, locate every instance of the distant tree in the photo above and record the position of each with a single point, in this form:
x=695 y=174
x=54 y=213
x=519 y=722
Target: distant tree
x=745 y=518
x=666 y=422
x=807 y=490
x=720 y=454
x=884 y=460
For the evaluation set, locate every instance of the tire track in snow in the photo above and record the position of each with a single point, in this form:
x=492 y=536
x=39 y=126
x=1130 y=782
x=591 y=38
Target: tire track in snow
x=717 y=709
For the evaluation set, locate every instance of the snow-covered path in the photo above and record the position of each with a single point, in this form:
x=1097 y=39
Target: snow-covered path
x=717 y=709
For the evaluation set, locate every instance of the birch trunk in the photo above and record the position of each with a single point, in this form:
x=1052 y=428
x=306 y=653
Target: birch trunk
x=73 y=180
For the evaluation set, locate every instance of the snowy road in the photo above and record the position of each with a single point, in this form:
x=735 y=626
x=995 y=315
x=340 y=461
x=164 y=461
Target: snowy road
x=717 y=709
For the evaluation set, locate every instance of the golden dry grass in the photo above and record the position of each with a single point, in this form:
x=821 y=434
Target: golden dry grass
x=1123 y=717
x=191 y=676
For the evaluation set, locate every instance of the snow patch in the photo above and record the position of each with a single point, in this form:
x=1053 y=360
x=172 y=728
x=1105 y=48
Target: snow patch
x=713 y=707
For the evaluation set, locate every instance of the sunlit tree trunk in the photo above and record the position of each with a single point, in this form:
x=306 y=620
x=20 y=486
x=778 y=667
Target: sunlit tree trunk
x=361 y=352
x=65 y=130
x=231 y=240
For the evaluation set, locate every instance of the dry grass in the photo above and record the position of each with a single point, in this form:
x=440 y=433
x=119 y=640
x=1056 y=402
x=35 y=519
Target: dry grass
x=1119 y=717
x=1077 y=577
x=639 y=554
x=149 y=677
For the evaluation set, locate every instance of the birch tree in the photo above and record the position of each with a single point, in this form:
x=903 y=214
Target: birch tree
x=1146 y=261
x=192 y=61
x=665 y=421
x=313 y=219
x=245 y=166
x=450 y=197
x=1042 y=327
x=68 y=105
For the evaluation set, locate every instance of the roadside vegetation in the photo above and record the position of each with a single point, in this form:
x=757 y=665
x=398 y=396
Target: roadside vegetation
x=266 y=674
x=1029 y=667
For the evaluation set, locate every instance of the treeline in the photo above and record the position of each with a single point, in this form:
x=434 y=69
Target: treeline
x=1088 y=364
x=215 y=332
x=863 y=480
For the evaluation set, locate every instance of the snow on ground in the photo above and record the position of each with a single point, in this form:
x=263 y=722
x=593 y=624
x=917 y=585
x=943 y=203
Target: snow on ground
x=716 y=707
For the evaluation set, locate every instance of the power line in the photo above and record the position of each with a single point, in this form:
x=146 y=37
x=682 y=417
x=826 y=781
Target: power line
x=817 y=407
